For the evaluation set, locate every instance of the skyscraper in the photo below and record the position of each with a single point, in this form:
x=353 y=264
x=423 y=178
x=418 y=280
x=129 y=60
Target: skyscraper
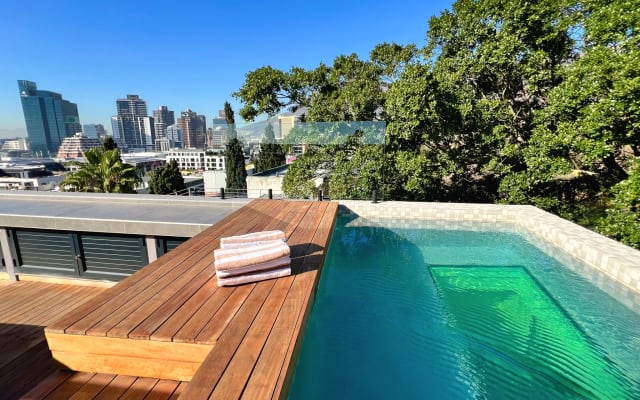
x=132 y=127
x=194 y=129
x=174 y=134
x=94 y=130
x=163 y=118
x=48 y=117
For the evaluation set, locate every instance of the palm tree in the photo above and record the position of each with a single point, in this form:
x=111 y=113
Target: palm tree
x=104 y=172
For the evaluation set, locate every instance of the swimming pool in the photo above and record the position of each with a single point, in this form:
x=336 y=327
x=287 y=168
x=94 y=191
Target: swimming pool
x=460 y=313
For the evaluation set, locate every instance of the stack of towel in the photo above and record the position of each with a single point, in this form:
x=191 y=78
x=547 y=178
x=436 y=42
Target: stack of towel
x=252 y=257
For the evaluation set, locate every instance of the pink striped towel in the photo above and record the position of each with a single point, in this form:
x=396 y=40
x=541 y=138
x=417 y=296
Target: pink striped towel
x=254 y=277
x=252 y=238
x=230 y=259
x=265 y=266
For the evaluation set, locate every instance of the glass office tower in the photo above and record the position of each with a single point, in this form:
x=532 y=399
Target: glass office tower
x=48 y=118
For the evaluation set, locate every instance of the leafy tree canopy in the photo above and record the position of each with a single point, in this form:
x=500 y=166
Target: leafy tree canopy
x=166 y=179
x=509 y=101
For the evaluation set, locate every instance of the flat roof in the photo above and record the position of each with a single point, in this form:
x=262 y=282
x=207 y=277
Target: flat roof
x=139 y=214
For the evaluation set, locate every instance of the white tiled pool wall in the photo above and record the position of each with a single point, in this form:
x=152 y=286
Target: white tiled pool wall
x=612 y=266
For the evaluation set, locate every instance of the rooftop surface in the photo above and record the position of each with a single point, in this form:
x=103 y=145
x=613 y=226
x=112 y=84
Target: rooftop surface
x=128 y=214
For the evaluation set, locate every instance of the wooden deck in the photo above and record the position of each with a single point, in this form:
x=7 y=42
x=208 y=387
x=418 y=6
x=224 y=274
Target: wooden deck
x=171 y=321
x=27 y=369
x=25 y=309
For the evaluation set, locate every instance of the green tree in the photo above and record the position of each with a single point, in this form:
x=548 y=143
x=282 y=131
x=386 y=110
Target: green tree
x=104 y=172
x=109 y=144
x=509 y=101
x=271 y=153
x=234 y=155
x=298 y=182
x=166 y=179
x=622 y=219
x=590 y=126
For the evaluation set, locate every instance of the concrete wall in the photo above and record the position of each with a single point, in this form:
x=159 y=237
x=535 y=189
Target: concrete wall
x=213 y=181
x=258 y=186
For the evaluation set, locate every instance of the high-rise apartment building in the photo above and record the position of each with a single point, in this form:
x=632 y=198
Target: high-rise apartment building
x=94 y=130
x=163 y=117
x=194 y=129
x=132 y=127
x=174 y=134
x=217 y=134
x=48 y=118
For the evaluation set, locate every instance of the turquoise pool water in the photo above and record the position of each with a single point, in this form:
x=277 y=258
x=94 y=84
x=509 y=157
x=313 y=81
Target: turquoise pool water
x=460 y=314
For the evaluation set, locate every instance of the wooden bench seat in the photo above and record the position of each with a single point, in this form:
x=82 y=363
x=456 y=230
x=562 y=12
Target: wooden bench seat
x=170 y=319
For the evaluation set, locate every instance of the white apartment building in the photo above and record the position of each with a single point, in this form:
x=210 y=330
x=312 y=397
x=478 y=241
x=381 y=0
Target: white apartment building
x=197 y=160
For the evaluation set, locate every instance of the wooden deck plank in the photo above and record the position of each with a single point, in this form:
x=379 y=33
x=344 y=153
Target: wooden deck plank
x=139 y=389
x=178 y=319
x=178 y=392
x=163 y=390
x=24 y=372
x=25 y=359
x=190 y=330
x=163 y=312
x=116 y=388
x=240 y=368
x=47 y=385
x=322 y=239
x=218 y=322
x=69 y=387
x=216 y=362
x=262 y=381
x=95 y=385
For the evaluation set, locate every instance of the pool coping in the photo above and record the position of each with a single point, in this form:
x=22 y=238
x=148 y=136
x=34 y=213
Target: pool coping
x=608 y=259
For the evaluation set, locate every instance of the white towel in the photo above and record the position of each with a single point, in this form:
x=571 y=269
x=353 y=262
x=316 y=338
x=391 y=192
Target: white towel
x=258 y=276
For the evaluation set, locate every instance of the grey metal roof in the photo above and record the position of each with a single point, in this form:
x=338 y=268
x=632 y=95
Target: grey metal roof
x=153 y=215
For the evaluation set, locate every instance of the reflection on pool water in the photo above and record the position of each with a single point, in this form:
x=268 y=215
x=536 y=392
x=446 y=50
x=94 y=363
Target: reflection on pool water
x=456 y=313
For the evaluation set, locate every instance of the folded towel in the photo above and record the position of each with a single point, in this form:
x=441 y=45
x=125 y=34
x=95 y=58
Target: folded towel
x=253 y=237
x=226 y=259
x=265 y=266
x=250 y=244
x=258 y=276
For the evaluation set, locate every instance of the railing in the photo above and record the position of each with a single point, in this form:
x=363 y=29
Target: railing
x=195 y=190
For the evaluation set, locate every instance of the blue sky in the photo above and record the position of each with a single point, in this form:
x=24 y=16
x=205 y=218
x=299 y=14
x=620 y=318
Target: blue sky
x=189 y=54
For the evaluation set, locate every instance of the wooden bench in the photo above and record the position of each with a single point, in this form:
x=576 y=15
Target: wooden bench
x=170 y=320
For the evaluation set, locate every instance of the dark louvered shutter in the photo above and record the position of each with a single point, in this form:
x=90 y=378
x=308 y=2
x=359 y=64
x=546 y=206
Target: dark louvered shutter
x=112 y=256
x=46 y=252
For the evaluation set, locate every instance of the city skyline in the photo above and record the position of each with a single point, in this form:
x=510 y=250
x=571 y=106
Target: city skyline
x=88 y=60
